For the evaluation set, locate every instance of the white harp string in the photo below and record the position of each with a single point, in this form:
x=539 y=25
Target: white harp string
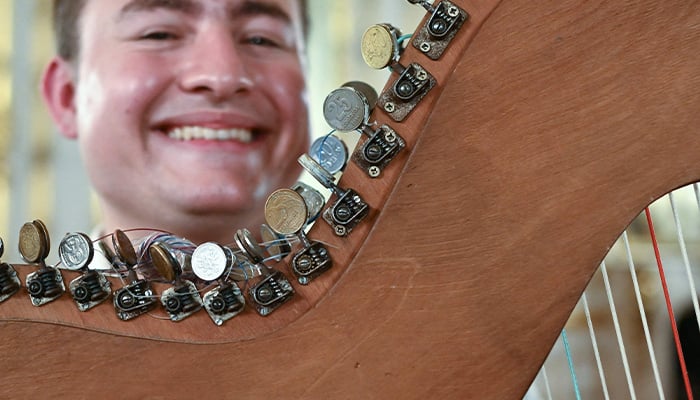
x=618 y=331
x=643 y=315
x=594 y=342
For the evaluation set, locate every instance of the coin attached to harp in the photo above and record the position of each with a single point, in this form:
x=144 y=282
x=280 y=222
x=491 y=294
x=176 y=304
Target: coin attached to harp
x=544 y=129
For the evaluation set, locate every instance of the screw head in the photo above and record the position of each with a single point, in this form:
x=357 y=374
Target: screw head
x=389 y=107
x=425 y=47
x=374 y=171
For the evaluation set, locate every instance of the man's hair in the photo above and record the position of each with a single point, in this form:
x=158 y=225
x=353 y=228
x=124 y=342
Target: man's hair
x=66 y=17
x=66 y=22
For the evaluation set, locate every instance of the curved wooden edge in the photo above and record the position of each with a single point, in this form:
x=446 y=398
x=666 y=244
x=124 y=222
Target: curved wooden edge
x=535 y=159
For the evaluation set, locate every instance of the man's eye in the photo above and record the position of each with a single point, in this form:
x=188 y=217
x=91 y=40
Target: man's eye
x=262 y=41
x=159 y=35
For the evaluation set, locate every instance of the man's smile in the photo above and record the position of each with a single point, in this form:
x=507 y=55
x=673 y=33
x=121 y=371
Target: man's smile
x=187 y=133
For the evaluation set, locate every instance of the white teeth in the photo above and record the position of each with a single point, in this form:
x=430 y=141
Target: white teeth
x=198 y=132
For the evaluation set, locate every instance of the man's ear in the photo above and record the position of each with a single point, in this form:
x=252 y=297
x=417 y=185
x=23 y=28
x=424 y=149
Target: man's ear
x=58 y=91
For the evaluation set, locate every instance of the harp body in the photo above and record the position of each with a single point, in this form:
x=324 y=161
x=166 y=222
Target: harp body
x=552 y=126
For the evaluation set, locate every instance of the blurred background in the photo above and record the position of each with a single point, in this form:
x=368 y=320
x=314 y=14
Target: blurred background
x=40 y=174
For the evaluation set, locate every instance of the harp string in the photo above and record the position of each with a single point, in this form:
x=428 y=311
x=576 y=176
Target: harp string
x=643 y=315
x=570 y=360
x=594 y=343
x=618 y=331
x=669 y=306
x=686 y=259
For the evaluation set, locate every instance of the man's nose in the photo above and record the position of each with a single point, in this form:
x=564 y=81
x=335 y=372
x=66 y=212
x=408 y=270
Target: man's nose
x=215 y=66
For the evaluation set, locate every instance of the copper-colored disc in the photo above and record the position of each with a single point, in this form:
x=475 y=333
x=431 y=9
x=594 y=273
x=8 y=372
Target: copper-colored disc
x=285 y=211
x=124 y=248
x=163 y=260
x=34 y=241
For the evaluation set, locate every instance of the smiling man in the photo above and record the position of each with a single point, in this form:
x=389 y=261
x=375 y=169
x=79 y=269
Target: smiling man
x=188 y=113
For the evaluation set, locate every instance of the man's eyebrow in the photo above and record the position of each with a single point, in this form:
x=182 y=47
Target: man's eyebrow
x=185 y=6
x=254 y=8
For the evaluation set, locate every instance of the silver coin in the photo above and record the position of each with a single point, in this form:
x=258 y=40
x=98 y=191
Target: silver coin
x=313 y=198
x=75 y=251
x=346 y=109
x=330 y=152
x=209 y=261
x=317 y=171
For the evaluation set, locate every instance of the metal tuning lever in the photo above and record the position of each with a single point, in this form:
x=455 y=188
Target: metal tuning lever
x=348 y=210
x=436 y=34
x=137 y=297
x=380 y=49
x=276 y=245
x=46 y=284
x=211 y=262
x=347 y=109
x=91 y=288
x=182 y=299
x=288 y=212
x=273 y=289
x=9 y=281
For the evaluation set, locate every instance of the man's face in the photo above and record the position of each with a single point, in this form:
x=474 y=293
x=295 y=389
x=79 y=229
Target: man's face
x=190 y=106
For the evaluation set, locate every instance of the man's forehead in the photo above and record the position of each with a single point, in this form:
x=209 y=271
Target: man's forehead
x=287 y=10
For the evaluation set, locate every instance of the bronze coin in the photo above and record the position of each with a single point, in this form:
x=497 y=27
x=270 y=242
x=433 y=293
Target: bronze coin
x=366 y=89
x=378 y=46
x=285 y=211
x=34 y=241
x=164 y=261
x=123 y=247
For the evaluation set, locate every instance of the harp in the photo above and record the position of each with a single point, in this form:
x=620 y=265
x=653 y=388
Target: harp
x=553 y=124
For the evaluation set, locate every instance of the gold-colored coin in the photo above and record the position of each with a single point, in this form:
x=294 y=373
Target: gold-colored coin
x=163 y=260
x=285 y=211
x=34 y=241
x=378 y=46
x=123 y=247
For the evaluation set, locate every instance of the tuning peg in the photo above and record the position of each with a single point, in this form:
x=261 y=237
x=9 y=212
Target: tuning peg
x=348 y=108
x=348 y=210
x=273 y=288
x=9 y=281
x=286 y=212
x=211 y=261
x=182 y=299
x=446 y=19
x=137 y=297
x=46 y=284
x=91 y=288
x=381 y=49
